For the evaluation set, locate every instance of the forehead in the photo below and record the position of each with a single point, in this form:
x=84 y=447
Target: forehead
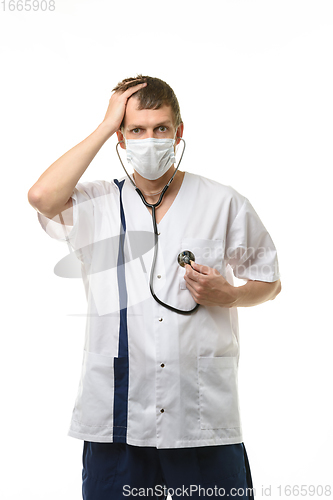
x=147 y=117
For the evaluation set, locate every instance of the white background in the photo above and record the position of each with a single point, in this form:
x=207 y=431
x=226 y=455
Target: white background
x=254 y=80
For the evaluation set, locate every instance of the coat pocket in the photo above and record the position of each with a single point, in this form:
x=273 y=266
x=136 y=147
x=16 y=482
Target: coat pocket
x=207 y=252
x=218 y=393
x=94 y=402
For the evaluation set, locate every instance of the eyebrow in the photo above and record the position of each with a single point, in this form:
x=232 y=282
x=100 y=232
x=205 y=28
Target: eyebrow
x=167 y=122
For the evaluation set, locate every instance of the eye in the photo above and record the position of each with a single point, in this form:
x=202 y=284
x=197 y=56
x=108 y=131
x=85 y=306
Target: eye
x=162 y=128
x=135 y=130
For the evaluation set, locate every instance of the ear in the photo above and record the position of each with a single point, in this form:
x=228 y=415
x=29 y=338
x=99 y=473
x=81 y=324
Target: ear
x=180 y=131
x=121 y=138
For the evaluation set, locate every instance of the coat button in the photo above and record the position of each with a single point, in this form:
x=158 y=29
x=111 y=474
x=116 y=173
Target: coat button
x=160 y=319
x=162 y=365
x=162 y=411
x=159 y=276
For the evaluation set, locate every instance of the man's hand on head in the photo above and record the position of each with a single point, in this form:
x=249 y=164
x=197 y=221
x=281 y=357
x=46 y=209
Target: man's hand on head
x=117 y=107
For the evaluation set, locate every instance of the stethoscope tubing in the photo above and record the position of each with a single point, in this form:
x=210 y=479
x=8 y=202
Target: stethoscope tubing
x=153 y=208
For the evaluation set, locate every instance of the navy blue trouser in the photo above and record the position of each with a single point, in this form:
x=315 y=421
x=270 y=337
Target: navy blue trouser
x=118 y=471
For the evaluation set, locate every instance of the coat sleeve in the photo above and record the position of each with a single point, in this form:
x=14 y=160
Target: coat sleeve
x=250 y=250
x=81 y=233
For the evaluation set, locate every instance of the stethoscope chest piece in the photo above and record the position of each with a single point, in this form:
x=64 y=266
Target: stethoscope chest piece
x=185 y=257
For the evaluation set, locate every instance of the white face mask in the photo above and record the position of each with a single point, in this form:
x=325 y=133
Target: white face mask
x=151 y=157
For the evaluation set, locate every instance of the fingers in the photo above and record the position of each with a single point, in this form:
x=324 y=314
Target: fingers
x=117 y=105
x=191 y=289
x=199 y=268
x=191 y=274
x=206 y=270
x=133 y=89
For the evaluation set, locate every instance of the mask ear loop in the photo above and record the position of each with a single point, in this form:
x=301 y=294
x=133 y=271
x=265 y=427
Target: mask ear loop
x=123 y=164
x=168 y=184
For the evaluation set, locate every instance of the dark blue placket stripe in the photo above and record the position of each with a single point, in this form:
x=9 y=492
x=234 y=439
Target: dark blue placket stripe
x=121 y=366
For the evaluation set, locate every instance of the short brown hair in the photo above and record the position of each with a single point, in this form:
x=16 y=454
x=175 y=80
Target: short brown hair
x=156 y=94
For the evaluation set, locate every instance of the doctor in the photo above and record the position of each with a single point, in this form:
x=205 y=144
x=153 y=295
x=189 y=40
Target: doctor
x=157 y=405
x=207 y=286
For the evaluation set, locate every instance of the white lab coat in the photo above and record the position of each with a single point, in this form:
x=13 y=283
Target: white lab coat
x=150 y=376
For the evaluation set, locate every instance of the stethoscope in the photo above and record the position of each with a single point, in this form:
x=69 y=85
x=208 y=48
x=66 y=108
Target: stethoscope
x=184 y=257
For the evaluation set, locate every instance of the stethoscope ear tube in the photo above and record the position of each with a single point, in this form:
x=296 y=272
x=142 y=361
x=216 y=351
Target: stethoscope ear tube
x=153 y=207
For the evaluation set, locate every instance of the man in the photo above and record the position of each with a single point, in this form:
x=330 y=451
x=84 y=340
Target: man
x=157 y=406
